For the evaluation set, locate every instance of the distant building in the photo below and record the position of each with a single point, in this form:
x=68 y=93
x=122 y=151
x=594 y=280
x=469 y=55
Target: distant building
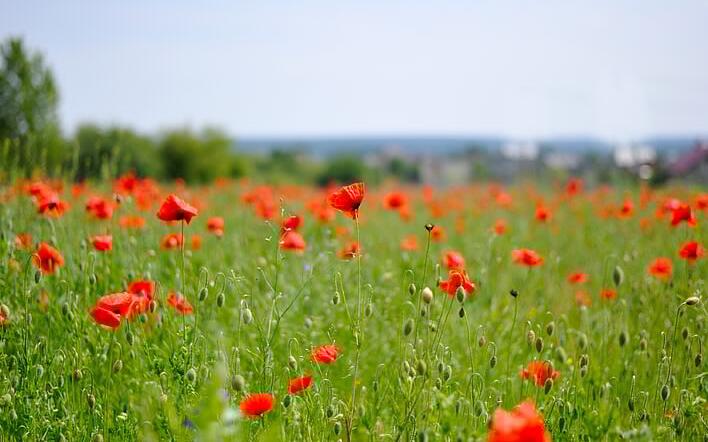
x=692 y=165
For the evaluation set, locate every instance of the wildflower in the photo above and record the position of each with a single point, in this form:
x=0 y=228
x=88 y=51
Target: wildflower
x=105 y=317
x=171 y=241
x=292 y=240
x=523 y=424
x=457 y=278
x=299 y=384
x=325 y=354
x=51 y=205
x=453 y=260
x=500 y=227
x=395 y=200
x=526 y=257
x=582 y=298
x=409 y=243
x=23 y=241
x=176 y=209
x=350 y=250
x=608 y=293
x=661 y=268
x=132 y=222
x=99 y=208
x=291 y=223
x=437 y=234
x=543 y=214
x=539 y=372
x=627 y=209
x=102 y=243
x=47 y=258
x=348 y=199
x=573 y=186
x=683 y=213
x=142 y=291
x=691 y=251
x=578 y=278
x=257 y=404
x=180 y=303
x=215 y=225
x=196 y=242
x=110 y=309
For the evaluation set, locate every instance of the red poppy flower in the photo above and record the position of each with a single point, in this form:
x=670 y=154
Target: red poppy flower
x=325 y=354
x=120 y=303
x=132 y=222
x=23 y=241
x=627 y=209
x=702 y=201
x=539 y=372
x=290 y=223
x=683 y=213
x=578 y=278
x=395 y=200
x=105 y=317
x=292 y=240
x=257 y=404
x=348 y=199
x=99 y=208
x=691 y=251
x=457 y=278
x=142 y=291
x=662 y=268
x=299 y=384
x=215 y=225
x=437 y=234
x=350 y=251
x=196 y=242
x=543 y=214
x=176 y=209
x=608 y=293
x=523 y=424
x=500 y=227
x=47 y=258
x=526 y=257
x=582 y=298
x=180 y=303
x=409 y=243
x=102 y=243
x=171 y=241
x=574 y=186
x=51 y=205
x=453 y=260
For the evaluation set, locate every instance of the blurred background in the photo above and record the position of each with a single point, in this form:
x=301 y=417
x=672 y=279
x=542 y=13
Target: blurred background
x=444 y=92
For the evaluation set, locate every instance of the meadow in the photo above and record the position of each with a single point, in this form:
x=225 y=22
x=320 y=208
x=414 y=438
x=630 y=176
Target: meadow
x=137 y=310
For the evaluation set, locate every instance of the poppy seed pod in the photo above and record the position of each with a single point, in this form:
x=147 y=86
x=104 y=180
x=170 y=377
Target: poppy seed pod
x=548 y=385
x=411 y=289
x=408 y=327
x=539 y=344
x=238 y=383
x=427 y=295
x=550 y=328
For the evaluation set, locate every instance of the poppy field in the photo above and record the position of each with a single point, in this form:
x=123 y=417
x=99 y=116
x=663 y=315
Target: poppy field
x=138 y=310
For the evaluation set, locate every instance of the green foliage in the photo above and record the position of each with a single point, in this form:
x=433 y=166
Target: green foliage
x=198 y=157
x=342 y=169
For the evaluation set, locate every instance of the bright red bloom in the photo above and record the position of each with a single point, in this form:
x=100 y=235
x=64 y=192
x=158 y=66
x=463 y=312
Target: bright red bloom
x=99 y=208
x=257 y=404
x=142 y=291
x=215 y=225
x=574 y=186
x=299 y=384
x=47 y=258
x=196 y=242
x=132 y=222
x=578 y=278
x=523 y=424
x=176 y=209
x=171 y=241
x=409 y=243
x=661 y=267
x=102 y=243
x=627 y=209
x=292 y=240
x=453 y=260
x=608 y=293
x=105 y=317
x=325 y=354
x=110 y=309
x=526 y=257
x=500 y=227
x=691 y=251
x=292 y=222
x=437 y=234
x=23 y=241
x=180 y=303
x=539 y=372
x=683 y=213
x=350 y=251
x=395 y=200
x=51 y=205
x=543 y=214
x=348 y=199
x=702 y=201
x=457 y=278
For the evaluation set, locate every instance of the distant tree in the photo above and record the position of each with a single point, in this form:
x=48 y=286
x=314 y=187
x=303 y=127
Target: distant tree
x=28 y=117
x=403 y=170
x=196 y=157
x=342 y=169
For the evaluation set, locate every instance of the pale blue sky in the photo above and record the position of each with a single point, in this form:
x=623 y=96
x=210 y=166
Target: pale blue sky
x=609 y=68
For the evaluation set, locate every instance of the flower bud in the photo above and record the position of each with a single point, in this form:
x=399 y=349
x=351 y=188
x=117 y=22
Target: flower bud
x=129 y=338
x=698 y=360
x=407 y=327
x=514 y=293
x=152 y=306
x=337 y=428
x=550 y=327
x=623 y=338
x=427 y=295
x=287 y=401
x=618 y=276
x=98 y=437
x=530 y=337
x=335 y=298
x=238 y=383
x=91 y=400
x=548 y=385
x=429 y=227
x=411 y=289
x=421 y=367
x=37 y=276
x=117 y=366
x=460 y=295
x=203 y=293
x=482 y=341
x=369 y=310
x=220 y=299
x=693 y=300
x=461 y=313
x=191 y=375
x=292 y=362
x=493 y=361
x=246 y=316
x=665 y=392
x=539 y=344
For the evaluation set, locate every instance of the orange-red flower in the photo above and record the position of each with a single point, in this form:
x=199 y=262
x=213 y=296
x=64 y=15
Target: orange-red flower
x=299 y=384
x=47 y=258
x=453 y=260
x=102 y=243
x=582 y=298
x=176 y=209
x=681 y=213
x=691 y=251
x=350 y=250
x=110 y=309
x=543 y=213
x=409 y=243
x=105 y=317
x=523 y=424
x=395 y=200
x=661 y=267
x=215 y=225
x=539 y=372
x=325 y=354
x=51 y=205
x=23 y=241
x=257 y=404
x=437 y=234
x=292 y=222
x=457 y=278
x=99 y=208
x=348 y=199
x=608 y=293
x=500 y=227
x=142 y=291
x=171 y=241
x=526 y=257
x=179 y=303
x=578 y=278
x=196 y=242
x=132 y=222
x=292 y=240
x=574 y=186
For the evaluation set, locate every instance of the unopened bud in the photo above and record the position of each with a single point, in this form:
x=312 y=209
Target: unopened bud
x=665 y=392
x=530 y=337
x=191 y=375
x=427 y=295
x=238 y=383
x=548 y=385
x=623 y=338
x=335 y=298
x=91 y=400
x=246 y=316
x=411 y=289
x=493 y=361
x=550 y=327
x=37 y=276
x=407 y=327
x=693 y=300
x=369 y=310
x=482 y=341
x=461 y=313
x=220 y=299
x=117 y=366
x=539 y=344
x=429 y=227
x=421 y=367
x=514 y=293
x=618 y=276
x=292 y=362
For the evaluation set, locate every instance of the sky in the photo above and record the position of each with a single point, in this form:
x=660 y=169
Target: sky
x=614 y=69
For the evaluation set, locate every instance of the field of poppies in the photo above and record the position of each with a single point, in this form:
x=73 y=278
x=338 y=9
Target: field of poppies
x=137 y=310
